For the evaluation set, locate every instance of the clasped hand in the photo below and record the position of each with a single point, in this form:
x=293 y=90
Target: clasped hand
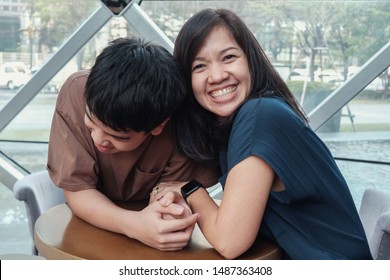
x=169 y=221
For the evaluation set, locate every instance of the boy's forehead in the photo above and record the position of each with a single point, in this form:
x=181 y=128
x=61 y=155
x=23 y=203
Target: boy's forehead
x=99 y=123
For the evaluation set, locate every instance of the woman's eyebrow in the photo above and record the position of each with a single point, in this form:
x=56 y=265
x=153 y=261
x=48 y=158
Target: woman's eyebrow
x=221 y=52
x=228 y=49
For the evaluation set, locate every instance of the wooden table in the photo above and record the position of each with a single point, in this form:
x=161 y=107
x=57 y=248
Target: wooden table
x=59 y=234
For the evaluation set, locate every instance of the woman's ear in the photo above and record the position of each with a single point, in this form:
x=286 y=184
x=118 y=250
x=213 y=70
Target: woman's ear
x=158 y=129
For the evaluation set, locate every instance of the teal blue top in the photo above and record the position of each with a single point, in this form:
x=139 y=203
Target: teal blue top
x=315 y=216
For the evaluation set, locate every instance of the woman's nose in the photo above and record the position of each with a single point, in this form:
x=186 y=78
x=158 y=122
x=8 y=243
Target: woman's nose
x=217 y=74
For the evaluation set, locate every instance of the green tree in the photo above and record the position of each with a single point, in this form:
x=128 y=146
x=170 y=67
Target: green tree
x=345 y=31
x=58 y=20
x=359 y=30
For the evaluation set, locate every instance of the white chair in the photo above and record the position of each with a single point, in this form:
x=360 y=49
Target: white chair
x=39 y=194
x=375 y=215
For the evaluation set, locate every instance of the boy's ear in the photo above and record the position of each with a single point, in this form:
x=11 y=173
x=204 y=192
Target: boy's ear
x=158 y=129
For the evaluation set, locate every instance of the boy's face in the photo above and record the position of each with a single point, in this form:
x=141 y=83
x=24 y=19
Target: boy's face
x=110 y=141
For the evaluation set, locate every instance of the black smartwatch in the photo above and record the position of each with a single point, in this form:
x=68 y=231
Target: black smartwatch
x=189 y=188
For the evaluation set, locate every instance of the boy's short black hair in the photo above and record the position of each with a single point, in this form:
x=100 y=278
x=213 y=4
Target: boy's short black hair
x=134 y=85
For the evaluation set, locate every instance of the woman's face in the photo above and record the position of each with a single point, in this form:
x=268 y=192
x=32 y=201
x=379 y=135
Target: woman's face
x=220 y=74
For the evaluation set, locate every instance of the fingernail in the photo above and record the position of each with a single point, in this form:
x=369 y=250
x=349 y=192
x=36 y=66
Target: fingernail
x=163 y=201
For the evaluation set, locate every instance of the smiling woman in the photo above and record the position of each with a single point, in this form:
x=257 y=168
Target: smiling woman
x=278 y=177
x=295 y=35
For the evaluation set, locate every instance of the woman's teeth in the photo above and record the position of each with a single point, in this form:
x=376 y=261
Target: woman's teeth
x=223 y=92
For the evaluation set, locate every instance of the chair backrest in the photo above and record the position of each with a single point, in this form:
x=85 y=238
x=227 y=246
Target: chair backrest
x=39 y=194
x=375 y=215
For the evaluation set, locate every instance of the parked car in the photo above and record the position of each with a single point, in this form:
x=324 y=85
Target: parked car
x=14 y=75
x=299 y=75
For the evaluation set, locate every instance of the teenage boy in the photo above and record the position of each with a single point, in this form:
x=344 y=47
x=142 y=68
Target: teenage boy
x=110 y=141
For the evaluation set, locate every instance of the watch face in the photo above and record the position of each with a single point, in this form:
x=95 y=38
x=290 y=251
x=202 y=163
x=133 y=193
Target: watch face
x=190 y=187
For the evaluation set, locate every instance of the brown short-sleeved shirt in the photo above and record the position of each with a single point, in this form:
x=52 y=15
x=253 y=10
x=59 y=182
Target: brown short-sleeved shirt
x=75 y=164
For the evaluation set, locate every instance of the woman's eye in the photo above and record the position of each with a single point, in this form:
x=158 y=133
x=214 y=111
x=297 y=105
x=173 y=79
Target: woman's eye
x=197 y=67
x=229 y=57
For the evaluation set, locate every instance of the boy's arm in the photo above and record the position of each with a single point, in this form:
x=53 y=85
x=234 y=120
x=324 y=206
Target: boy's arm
x=147 y=225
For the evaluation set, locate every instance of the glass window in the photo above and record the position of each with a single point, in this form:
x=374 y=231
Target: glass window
x=316 y=46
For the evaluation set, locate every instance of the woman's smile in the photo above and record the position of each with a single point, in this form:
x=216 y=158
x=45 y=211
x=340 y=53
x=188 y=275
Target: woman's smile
x=223 y=93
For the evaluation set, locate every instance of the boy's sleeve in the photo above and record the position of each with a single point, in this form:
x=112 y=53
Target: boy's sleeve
x=71 y=157
x=180 y=168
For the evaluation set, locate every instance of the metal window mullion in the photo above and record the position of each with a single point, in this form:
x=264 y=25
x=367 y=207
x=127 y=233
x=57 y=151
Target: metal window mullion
x=65 y=53
x=352 y=87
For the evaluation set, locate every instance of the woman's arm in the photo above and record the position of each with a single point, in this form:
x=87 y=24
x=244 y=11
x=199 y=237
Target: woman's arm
x=232 y=228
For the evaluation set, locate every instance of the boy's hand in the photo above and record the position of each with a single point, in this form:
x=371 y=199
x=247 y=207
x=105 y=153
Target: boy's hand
x=162 y=188
x=178 y=203
x=166 y=228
